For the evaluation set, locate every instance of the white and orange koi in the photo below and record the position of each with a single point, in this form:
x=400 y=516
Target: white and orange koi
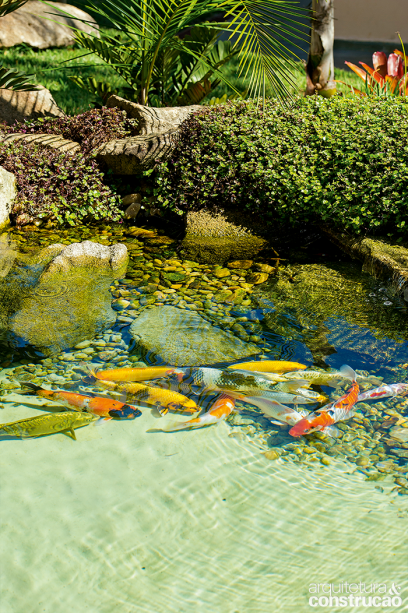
x=324 y=418
x=384 y=391
x=219 y=411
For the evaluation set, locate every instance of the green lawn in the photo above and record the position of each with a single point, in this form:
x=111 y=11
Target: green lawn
x=52 y=71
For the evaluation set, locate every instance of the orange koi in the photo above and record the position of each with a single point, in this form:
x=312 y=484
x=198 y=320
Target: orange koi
x=103 y=407
x=219 y=411
x=277 y=366
x=133 y=374
x=325 y=418
x=152 y=395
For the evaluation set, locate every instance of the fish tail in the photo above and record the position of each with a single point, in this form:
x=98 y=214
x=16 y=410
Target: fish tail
x=348 y=372
x=182 y=425
x=31 y=388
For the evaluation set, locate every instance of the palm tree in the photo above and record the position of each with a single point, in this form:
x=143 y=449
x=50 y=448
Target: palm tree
x=168 y=50
x=320 y=65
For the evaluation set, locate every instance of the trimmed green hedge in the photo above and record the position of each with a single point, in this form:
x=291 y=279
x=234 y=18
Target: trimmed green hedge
x=342 y=161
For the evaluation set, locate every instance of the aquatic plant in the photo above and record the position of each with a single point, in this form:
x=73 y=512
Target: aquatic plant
x=89 y=129
x=388 y=77
x=337 y=161
x=58 y=186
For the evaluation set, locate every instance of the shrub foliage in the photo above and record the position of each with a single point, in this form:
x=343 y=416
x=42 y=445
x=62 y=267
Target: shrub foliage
x=63 y=187
x=342 y=161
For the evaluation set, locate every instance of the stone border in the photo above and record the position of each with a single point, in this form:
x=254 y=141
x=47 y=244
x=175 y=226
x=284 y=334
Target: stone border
x=380 y=259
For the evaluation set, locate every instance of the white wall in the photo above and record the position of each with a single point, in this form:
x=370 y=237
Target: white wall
x=371 y=20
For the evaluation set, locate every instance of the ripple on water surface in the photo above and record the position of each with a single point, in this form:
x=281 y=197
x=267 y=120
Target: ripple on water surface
x=125 y=520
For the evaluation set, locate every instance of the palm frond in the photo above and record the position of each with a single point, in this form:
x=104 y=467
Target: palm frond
x=8 y=6
x=15 y=80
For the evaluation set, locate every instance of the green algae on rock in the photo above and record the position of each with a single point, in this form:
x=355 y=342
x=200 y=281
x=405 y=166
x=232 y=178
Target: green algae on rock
x=211 y=238
x=183 y=338
x=70 y=300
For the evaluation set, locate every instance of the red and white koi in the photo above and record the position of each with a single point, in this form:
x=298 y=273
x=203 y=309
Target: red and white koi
x=219 y=411
x=384 y=391
x=334 y=412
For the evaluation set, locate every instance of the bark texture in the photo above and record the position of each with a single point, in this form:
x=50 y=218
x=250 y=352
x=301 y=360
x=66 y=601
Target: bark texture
x=320 y=65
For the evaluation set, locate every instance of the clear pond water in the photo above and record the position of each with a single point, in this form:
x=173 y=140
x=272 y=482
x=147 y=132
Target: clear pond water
x=126 y=520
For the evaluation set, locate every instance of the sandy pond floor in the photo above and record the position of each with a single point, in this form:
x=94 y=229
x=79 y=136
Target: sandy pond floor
x=128 y=521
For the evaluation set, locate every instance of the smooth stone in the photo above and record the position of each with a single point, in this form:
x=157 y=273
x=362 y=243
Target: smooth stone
x=184 y=338
x=245 y=264
x=83 y=345
x=258 y=277
x=264 y=268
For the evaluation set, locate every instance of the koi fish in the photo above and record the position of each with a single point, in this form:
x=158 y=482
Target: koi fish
x=102 y=407
x=339 y=410
x=41 y=425
x=133 y=374
x=215 y=380
x=384 y=391
x=275 y=410
x=317 y=377
x=281 y=397
x=152 y=395
x=219 y=411
x=272 y=366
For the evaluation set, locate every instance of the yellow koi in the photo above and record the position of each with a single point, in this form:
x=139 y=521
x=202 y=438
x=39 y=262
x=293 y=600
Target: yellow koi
x=152 y=395
x=276 y=366
x=133 y=374
x=41 y=425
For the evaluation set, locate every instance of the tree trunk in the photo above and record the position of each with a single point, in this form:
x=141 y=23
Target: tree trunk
x=320 y=65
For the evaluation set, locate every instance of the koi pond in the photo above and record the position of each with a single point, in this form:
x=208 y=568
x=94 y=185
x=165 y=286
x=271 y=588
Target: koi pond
x=135 y=511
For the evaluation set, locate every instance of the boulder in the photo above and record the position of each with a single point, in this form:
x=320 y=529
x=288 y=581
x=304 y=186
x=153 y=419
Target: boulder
x=69 y=299
x=55 y=141
x=184 y=338
x=39 y=25
x=8 y=192
x=154 y=120
x=16 y=106
x=132 y=155
x=211 y=238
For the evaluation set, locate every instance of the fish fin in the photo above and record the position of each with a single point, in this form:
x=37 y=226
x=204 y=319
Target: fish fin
x=293 y=386
x=277 y=422
x=348 y=372
x=32 y=388
x=331 y=431
x=101 y=421
x=70 y=432
x=303 y=412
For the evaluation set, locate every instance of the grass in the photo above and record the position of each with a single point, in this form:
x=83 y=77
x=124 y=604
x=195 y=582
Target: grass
x=52 y=68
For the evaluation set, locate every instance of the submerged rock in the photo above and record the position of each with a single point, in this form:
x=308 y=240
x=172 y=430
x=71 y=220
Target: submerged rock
x=212 y=238
x=70 y=300
x=183 y=338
